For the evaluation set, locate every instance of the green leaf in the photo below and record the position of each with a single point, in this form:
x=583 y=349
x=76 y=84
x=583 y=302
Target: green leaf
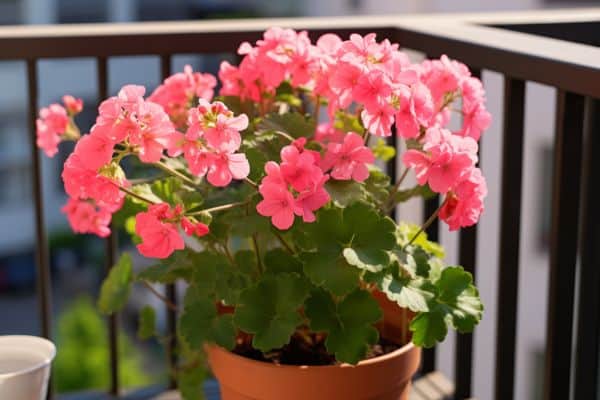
x=461 y=298
x=377 y=186
x=373 y=235
x=200 y=323
x=257 y=160
x=147 y=323
x=279 y=261
x=457 y=305
x=382 y=151
x=248 y=225
x=428 y=328
x=144 y=190
x=269 y=309
x=356 y=236
x=116 y=287
x=414 y=294
x=189 y=381
x=344 y=193
x=347 y=122
x=349 y=323
x=177 y=266
x=292 y=123
x=331 y=272
x=406 y=232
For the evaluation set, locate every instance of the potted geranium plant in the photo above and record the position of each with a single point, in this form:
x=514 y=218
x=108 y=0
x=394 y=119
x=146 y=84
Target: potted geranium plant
x=268 y=202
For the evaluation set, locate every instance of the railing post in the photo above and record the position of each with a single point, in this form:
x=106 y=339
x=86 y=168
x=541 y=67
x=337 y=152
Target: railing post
x=510 y=236
x=467 y=257
x=111 y=249
x=171 y=289
x=563 y=243
x=587 y=364
x=42 y=255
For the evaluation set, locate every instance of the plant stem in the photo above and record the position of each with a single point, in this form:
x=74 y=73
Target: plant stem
x=257 y=251
x=219 y=208
x=285 y=135
x=160 y=296
x=251 y=182
x=283 y=242
x=135 y=195
x=390 y=201
x=317 y=108
x=427 y=223
x=227 y=252
x=176 y=173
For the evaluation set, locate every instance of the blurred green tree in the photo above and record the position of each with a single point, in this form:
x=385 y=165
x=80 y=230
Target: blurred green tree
x=82 y=360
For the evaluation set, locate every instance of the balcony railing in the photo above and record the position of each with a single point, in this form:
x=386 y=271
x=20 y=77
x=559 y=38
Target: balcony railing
x=555 y=48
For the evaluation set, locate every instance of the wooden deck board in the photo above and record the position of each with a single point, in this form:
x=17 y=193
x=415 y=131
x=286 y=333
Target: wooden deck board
x=434 y=386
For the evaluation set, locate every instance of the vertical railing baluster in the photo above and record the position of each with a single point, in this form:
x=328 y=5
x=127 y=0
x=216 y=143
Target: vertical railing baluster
x=587 y=364
x=510 y=229
x=392 y=166
x=43 y=278
x=171 y=289
x=110 y=248
x=429 y=207
x=563 y=243
x=467 y=257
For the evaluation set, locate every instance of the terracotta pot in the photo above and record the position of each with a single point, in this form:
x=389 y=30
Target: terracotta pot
x=386 y=377
x=382 y=378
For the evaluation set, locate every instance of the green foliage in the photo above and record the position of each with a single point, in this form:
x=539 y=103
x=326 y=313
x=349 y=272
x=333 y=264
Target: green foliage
x=292 y=123
x=442 y=297
x=382 y=151
x=347 y=122
x=345 y=242
x=348 y=323
x=269 y=309
x=147 y=323
x=200 y=323
x=83 y=352
x=116 y=287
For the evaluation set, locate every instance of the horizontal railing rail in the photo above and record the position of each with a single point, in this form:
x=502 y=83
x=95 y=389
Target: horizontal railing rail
x=485 y=42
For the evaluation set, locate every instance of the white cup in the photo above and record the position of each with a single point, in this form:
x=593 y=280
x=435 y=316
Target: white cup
x=25 y=367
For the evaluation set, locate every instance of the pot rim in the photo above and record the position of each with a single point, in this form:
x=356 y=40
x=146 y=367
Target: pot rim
x=363 y=363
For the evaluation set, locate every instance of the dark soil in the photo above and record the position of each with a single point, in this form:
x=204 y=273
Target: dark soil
x=305 y=349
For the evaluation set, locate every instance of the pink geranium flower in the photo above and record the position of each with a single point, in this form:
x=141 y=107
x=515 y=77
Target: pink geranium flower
x=51 y=125
x=379 y=121
x=227 y=166
x=160 y=238
x=72 y=104
x=154 y=134
x=177 y=93
x=445 y=161
x=194 y=228
x=277 y=203
x=310 y=200
x=94 y=150
x=85 y=217
x=348 y=160
x=225 y=134
x=464 y=204
x=372 y=89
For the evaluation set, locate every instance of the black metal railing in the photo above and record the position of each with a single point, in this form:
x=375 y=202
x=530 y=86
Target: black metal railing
x=484 y=42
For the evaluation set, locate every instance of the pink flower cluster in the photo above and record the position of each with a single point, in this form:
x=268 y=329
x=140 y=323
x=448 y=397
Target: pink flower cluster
x=158 y=229
x=447 y=164
x=211 y=142
x=296 y=186
x=180 y=92
x=91 y=181
x=53 y=124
